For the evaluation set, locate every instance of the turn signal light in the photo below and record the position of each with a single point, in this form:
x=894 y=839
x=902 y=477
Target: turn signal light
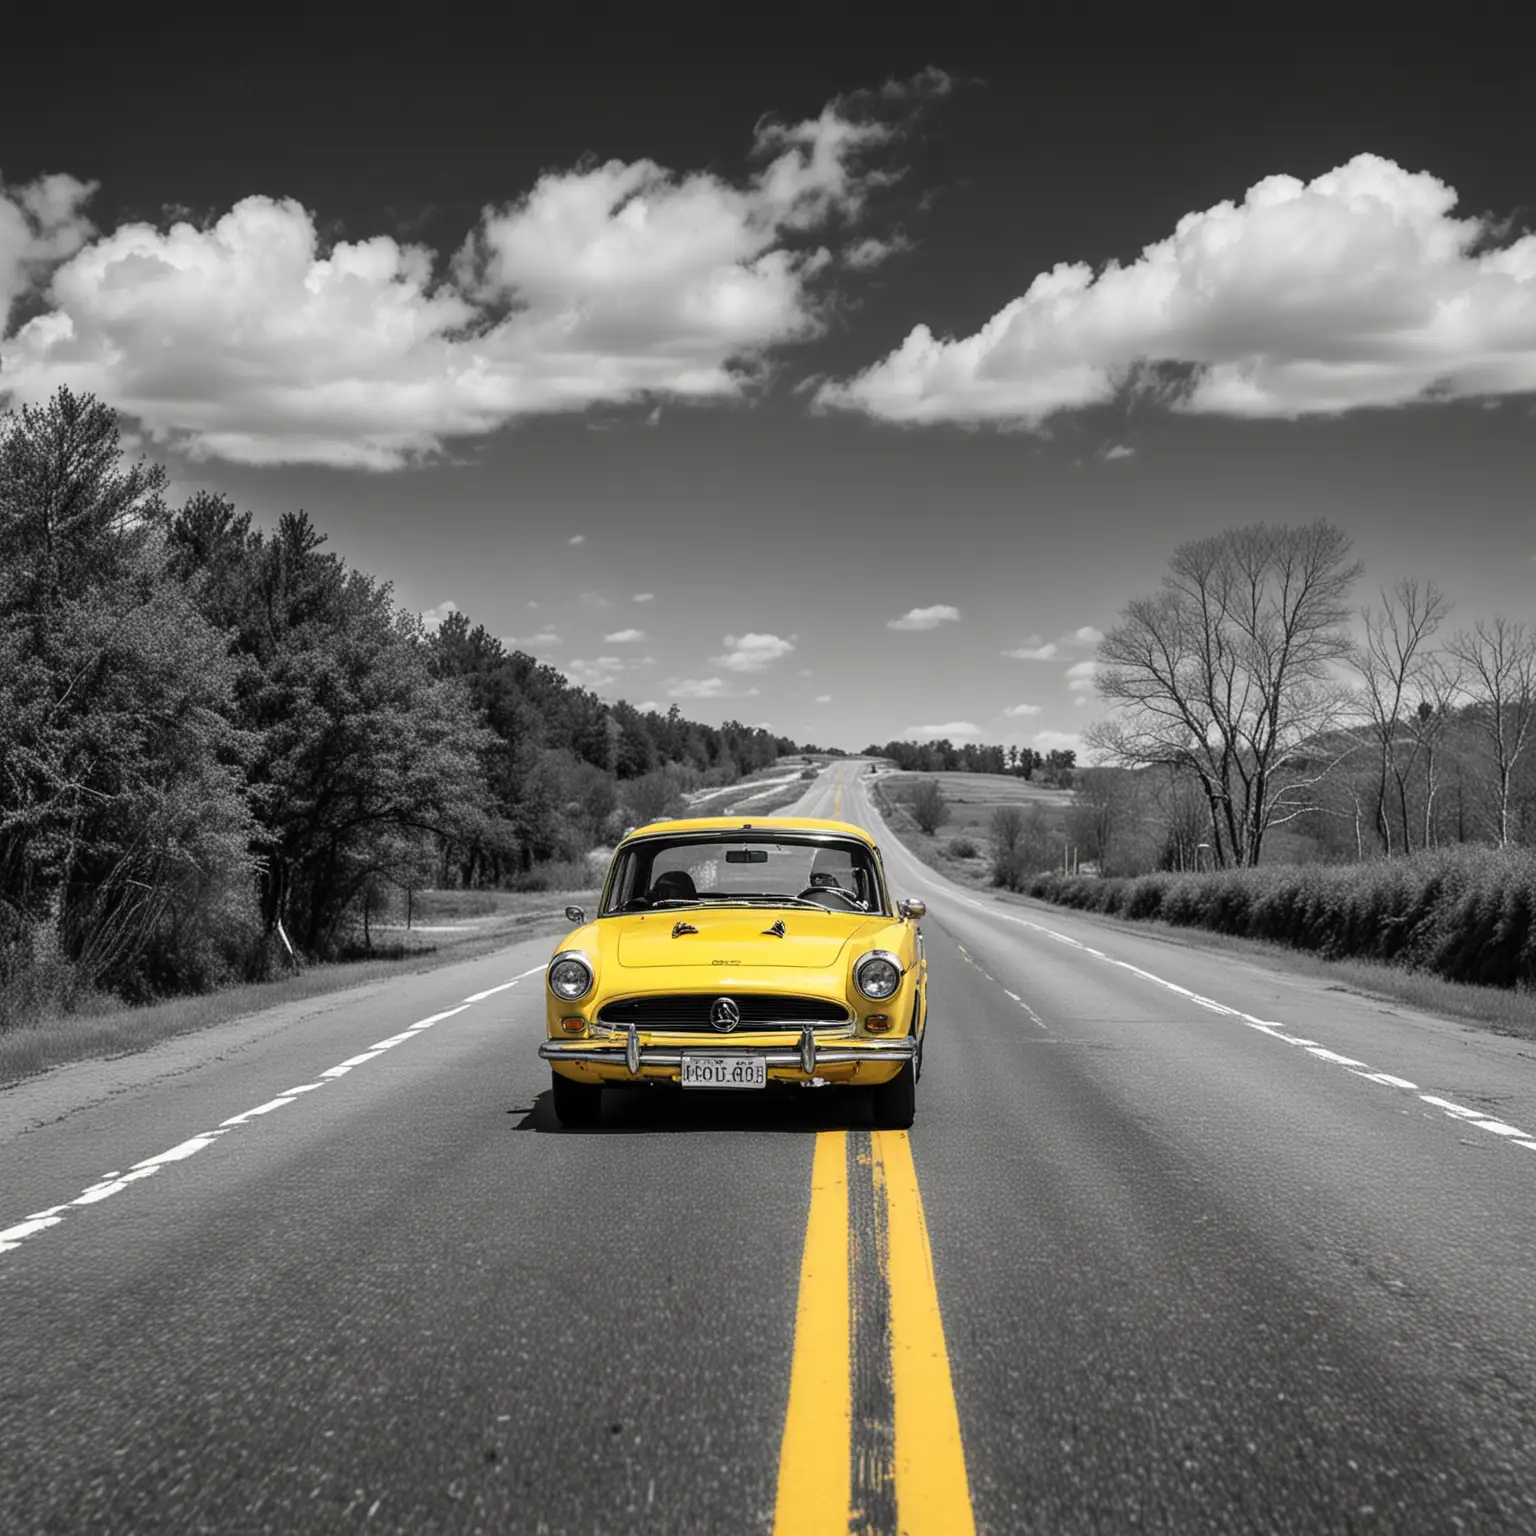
x=573 y=1025
x=877 y=1023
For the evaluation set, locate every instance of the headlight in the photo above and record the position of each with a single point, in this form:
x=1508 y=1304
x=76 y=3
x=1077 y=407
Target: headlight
x=878 y=974
x=570 y=975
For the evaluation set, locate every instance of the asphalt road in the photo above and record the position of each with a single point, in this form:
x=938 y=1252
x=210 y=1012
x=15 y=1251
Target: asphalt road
x=1213 y=1248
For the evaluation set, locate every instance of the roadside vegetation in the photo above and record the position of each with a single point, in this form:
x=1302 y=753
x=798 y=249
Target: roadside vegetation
x=1280 y=768
x=226 y=756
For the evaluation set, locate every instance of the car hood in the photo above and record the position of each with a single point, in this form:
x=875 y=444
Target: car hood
x=737 y=937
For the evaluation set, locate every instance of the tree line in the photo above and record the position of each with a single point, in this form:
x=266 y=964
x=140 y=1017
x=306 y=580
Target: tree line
x=216 y=739
x=1054 y=768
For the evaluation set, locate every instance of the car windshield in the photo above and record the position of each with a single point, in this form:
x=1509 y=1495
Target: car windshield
x=836 y=874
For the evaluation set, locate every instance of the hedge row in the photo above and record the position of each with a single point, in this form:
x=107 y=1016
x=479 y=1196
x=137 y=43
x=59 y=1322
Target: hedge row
x=1468 y=914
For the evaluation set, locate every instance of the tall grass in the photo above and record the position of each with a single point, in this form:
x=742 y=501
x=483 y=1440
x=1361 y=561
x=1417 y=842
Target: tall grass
x=1466 y=914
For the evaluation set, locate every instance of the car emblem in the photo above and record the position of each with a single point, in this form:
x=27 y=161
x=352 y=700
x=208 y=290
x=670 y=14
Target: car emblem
x=778 y=930
x=724 y=1015
x=679 y=928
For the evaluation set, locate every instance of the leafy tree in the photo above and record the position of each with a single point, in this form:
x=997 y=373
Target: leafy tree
x=930 y=810
x=122 y=820
x=357 y=744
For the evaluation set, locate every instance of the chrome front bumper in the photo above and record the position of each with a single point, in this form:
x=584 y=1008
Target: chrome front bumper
x=808 y=1055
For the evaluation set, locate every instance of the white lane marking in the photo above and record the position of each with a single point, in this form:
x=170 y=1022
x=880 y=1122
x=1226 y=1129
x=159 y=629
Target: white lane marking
x=1388 y=1079
x=1513 y=1136
x=1326 y=1055
x=110 y=1184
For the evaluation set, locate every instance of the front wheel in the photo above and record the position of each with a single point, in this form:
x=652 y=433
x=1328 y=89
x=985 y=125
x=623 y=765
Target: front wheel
x=894 y=1104
x=576 y=1104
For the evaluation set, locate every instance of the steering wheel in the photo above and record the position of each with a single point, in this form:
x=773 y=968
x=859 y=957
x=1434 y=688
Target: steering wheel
x=819 y=893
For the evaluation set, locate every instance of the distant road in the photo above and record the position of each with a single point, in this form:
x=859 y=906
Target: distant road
x=1177 y=1243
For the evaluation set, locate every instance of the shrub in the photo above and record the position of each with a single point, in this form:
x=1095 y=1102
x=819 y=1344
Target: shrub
x=962 y=848
x=929 y=808
x=1467 y=914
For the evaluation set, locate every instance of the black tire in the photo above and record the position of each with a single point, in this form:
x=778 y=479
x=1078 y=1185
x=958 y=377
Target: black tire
x=893 y=1105
x=576 y=1104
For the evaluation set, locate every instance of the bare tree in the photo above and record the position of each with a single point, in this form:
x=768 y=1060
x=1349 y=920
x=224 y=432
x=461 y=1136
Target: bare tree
x=1229 y=670
x=1500 y=662
x=1439 y=686
x=1391 y=663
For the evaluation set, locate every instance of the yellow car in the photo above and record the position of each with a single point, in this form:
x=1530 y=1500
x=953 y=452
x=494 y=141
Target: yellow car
x=737 y=954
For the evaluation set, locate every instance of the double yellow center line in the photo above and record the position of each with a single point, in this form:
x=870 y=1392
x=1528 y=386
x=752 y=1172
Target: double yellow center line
x=872 y=1437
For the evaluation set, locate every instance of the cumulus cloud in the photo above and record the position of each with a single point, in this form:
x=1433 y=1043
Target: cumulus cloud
x=624 y=636
x=248 y=338
x=823 y=698
x=1033 y=650
x=544 y=640
x=1119 y=451
x=577 y=538
x=949 y=730
x=432 y=618
x=1022 y=709
x=1080 y=676
x=925 y=618
x=643 y=597
x=1087 y=635
x=1356 y=289
x=705 y=688
x=41 y=223
x=751 y=653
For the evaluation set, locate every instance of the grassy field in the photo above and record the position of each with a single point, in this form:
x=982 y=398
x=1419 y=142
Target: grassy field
x=972 y=797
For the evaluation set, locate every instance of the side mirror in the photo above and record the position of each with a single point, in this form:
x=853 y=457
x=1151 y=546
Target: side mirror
x=575 y=915
x=913 y=909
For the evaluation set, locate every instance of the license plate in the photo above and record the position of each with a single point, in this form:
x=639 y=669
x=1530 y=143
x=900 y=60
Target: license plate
x=724 y=1072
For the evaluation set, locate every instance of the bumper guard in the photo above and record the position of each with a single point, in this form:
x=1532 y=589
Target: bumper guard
x=807 y=1057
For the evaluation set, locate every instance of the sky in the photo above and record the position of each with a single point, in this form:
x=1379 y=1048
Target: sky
x=845 y=385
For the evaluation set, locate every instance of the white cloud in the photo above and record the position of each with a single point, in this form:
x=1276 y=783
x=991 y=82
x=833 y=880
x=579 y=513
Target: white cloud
x=925 y=618
x=823 y=698
x=594 y=600
x=1087 y=635
x=870 y=251
x=648 y=706
x=41 y=224
x=596 y=673
x=1032 y=650
x=1080 y=676
x=643 y=597
x=951 y=729
x=1120 y=451
x=811 y=672
x=705 y=688
x=577 y=538
x=1355 y=289
x=1057 y=741
x=751 y=653
x=624 y=636
x=1022 y=709
x=251 y=340
x=433 y=618
x=543 y=641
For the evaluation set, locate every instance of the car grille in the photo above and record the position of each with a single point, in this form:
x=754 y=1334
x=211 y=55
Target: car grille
x=690 y=1011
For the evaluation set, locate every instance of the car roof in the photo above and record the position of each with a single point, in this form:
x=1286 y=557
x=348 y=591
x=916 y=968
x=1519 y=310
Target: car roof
x=747 y=823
